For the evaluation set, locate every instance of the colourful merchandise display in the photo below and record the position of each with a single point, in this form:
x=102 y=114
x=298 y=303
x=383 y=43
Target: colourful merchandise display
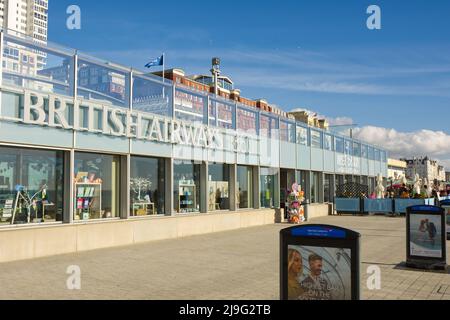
x=295 y=210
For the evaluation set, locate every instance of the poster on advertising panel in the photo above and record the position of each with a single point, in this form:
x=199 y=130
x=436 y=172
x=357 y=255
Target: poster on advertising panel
x=316 y=273
x=319 y=262
x=426 y=237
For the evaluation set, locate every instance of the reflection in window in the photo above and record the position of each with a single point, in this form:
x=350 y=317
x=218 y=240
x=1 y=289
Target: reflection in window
x=151 y=96
x=246 y=121
x=146 y=186
x=268 y=126
x=302 y=136
x=268 y=180
x=328 y=142
x=97 y=186
x=315 y=185
x=356 y=149
x=103 y=83
x=189 y=107
x=364 y=151
x=316 y=139
x=186 y=176
x=287 y=131
x=244 y=187
x=31 y=186
x=339 y=144
x=218 y=187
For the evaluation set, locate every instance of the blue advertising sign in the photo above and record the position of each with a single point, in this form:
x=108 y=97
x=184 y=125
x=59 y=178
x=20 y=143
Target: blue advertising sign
x=319 y=262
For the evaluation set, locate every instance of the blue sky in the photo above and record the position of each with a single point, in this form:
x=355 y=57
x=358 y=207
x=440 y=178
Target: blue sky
x=317 y=55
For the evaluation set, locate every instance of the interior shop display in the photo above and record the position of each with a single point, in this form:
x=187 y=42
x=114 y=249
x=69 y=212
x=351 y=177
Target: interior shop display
x=187 y=197
x=27 y=208
x=295 y=209
x=88 y=197
x=142 y=205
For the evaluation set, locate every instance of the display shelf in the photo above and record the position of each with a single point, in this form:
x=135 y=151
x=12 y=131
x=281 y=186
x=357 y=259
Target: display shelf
x=88 y=200
x=187 y=199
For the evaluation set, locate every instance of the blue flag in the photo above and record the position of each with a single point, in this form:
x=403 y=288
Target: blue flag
x=156 y=62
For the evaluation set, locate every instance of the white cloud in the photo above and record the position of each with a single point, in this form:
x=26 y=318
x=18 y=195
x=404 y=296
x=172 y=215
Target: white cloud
x=435 y=144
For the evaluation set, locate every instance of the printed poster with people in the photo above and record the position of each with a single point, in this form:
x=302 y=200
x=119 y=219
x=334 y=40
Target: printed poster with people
x=425 y=236
x=316 y=273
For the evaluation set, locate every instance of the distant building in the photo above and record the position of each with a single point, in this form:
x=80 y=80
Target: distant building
x=396 y=168
x=426 y=168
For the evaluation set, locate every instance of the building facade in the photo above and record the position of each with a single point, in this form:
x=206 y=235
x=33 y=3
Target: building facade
x=426 y=168
x=396 y=168
x=85 y=167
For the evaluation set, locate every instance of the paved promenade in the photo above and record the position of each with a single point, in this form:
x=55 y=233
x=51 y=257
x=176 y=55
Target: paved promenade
x=240 y=264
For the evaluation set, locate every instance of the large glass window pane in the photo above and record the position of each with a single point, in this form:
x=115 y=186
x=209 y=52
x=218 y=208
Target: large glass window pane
x=244 y=187
x=247 y=121
x=356 y=149
x=103 y=83
x=268 y=126
x=151 y=96
x=218 y=187
x=189 y=106
x=97 y=186
x=302 y=136
x=287 y=131
x=316 y=139
x=225 y=115
x=339 y=144
x=328 y=142
x=31 y=186
x=327 y=188
x=315 y=185
x=146 y=186
x=364 y=151
x=186 y=175
x=36 y=68
x=348 y=147
x=268 y=180
x=371 y=153
x=377 y=155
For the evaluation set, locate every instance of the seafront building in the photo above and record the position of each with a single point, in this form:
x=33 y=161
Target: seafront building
x=94 y=155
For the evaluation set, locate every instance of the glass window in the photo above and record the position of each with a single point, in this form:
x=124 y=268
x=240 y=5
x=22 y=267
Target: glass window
x=316 y=139
x=244 y=187
x=268 y=181
x=315 y=185
x=328 y=142
x=327 y=188
x=371 y=153
x=218 y=187
x=302 y=136
x=356 y=149
x=303 y=176
x=189 y=106
x=151 y=96
x=247 y=121
x=186 y=175
x=31 y=186
x=97 y=186
x=146 y=186
x=348 y=147
x=339 y=144
x=225 y=115
x=364 y=151
x=103 y=83
x=377 y=155
x=287 y=131
x=268 y=126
